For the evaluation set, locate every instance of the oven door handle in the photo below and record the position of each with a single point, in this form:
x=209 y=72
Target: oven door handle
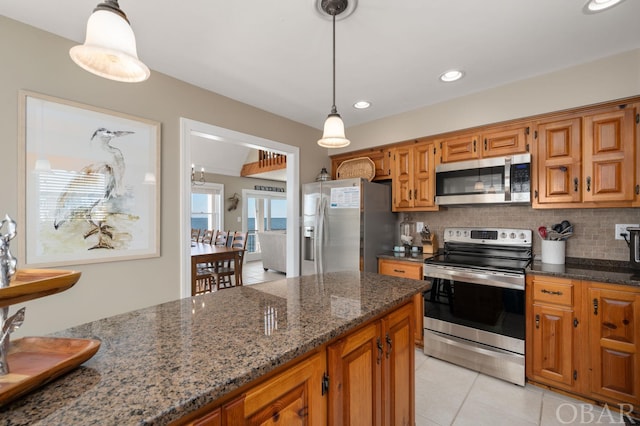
x=512 y=281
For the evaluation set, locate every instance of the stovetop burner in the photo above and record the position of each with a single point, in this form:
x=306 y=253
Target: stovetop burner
x=494 y=249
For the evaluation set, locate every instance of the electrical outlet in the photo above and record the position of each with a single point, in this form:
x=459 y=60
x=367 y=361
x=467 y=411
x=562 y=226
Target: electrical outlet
x=622 y=229
x=419 y=227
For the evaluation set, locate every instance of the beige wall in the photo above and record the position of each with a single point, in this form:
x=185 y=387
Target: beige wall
x=607 y=79
x=38 y=61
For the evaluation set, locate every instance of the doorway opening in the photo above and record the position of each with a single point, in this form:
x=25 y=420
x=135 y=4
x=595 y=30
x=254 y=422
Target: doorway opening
x=262 y=211
x=190 y=129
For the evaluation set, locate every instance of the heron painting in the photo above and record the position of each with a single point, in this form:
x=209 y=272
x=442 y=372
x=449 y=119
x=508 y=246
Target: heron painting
x=88 y=195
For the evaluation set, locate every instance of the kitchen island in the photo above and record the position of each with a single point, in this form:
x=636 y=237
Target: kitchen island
x=159 y=364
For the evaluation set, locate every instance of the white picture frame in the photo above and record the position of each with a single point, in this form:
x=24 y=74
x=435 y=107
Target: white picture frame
x=89 y=184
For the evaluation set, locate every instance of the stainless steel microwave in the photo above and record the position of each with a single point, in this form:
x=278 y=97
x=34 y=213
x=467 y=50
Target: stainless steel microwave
x=496 y=180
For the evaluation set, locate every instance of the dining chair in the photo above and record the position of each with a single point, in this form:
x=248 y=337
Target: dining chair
x=221 y=238
x=195 y=235
x=223 y=274
x=207 y=237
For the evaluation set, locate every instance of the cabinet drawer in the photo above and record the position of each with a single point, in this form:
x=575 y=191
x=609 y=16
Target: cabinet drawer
x=553 y=292
x=400 y=269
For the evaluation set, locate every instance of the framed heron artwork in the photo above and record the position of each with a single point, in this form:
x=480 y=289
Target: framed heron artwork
x=89 y=184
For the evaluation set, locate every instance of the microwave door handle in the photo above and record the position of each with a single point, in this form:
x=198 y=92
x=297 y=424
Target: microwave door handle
x=507 y=179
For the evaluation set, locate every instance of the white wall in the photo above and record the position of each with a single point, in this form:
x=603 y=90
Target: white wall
x=607 y=79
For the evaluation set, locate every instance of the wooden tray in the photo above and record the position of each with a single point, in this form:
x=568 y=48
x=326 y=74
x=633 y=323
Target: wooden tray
x=29 y=284
x=34 y=361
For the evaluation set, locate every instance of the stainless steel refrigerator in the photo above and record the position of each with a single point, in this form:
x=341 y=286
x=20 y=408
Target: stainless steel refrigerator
x=345 y=224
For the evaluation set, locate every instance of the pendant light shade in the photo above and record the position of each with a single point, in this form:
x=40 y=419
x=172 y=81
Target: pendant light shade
x=109 y=49
x=333 y=135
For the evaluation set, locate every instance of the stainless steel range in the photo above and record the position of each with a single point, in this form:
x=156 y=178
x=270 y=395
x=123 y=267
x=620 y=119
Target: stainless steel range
x=474 y=312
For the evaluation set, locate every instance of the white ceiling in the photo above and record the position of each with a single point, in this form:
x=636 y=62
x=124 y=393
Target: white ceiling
x=276 y=55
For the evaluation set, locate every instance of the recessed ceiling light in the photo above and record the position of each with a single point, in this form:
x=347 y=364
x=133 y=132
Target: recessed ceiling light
x=451 y=75
x=362 y=105
x=594 y=6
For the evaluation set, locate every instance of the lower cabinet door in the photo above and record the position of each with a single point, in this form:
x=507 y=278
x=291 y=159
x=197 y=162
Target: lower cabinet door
x=355 y=378
x=291 y=398
x=552 y=344
x=614 y=336
x=399 y=374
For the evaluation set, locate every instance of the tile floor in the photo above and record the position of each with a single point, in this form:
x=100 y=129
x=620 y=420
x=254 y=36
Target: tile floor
x=253 y=273
x=447 y=394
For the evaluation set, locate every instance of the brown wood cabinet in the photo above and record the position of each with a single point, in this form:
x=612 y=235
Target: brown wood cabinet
x=586 y=159
x=369 y=371
x=407 y=269
x=584 y=337
x=488 y=142
x=293 y=397
x=551 y=331
x=614 y=342
x=413 y=187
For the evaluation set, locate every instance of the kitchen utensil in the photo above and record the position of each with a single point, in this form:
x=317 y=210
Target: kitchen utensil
x=543 y=232
x=557 y=227
x=554 y=235
x=565 y=224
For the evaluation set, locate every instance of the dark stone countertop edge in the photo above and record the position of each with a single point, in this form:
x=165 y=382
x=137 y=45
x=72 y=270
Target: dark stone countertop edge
x=606 y=271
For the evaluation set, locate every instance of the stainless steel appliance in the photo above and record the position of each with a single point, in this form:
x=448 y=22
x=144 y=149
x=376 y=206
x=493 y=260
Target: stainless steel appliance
x=346 y=224
x=487 y=181
x=474 y=314
x=634 y=247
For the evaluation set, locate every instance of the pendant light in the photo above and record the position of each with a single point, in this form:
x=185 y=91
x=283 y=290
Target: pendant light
x=109 y=49
x=333 y=135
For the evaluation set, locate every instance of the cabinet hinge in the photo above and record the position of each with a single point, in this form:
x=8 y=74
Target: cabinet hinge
x=637 y=118
x=389 y=152
x=575 y=374
x=535 y=193
x=325 y=384
x=434 y=150
x=575 y=322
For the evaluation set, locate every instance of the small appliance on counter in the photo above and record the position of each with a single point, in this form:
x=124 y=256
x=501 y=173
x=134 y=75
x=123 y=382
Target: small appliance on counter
x=634 y=247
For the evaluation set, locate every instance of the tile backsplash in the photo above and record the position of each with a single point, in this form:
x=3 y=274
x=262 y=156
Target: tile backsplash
x=593 y=229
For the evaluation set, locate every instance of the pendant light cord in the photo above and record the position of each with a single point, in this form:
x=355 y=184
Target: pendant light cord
x=334 y=110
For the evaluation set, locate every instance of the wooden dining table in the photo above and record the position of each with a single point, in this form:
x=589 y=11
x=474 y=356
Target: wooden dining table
x=209 y=253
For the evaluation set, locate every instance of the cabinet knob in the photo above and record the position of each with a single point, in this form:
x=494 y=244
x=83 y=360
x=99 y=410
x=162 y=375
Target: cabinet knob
x=575 y=184
x=588 y=183
x=537 y=320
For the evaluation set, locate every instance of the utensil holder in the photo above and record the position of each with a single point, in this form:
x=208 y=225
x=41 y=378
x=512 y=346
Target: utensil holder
x=553 y=251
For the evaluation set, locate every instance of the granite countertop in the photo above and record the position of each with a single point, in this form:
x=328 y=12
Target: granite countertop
x=611 y=272
x=157 y=364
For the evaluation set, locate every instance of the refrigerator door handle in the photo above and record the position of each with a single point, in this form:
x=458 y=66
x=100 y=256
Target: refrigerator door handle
x=321 y=235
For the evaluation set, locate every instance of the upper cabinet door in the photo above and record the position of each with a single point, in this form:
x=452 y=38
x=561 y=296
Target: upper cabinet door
x=460 y=148
x=504 y=142
x=608 y=155
x=558 y=161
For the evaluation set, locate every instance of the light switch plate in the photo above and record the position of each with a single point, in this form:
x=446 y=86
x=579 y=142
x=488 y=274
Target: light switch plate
x=621 y=228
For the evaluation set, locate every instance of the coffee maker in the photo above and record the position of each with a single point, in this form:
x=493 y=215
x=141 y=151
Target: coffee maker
x=634 y=246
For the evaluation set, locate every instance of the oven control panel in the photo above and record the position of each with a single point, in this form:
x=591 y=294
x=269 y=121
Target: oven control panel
x=497 y=236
